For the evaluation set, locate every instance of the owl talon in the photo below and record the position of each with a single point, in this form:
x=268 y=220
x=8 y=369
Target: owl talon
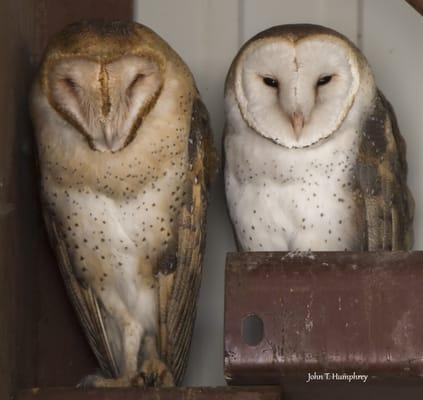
x=155 y=373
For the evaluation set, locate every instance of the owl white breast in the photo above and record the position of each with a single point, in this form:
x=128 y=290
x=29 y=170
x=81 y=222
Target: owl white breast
x=299 y=99
x=279 y=203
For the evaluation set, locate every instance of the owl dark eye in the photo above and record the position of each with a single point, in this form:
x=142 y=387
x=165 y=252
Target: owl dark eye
x=272 y=82
x=324 y=80
x=137 y=78
x=70 y=83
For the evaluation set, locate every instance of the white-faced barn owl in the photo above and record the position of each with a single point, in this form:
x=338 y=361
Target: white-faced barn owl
x=314 y=159
x=125 y=152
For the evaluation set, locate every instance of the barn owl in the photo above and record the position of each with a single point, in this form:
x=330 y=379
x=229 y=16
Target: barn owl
x=125 y=153
x=314 y=159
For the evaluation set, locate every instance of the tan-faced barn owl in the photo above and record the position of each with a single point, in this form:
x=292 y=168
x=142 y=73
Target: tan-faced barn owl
x=314 y=159
x=125 y=152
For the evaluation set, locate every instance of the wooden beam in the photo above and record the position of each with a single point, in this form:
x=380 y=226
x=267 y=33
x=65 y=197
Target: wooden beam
x=259 y=393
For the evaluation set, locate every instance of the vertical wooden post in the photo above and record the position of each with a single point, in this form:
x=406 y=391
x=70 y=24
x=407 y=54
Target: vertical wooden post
x=37 y=326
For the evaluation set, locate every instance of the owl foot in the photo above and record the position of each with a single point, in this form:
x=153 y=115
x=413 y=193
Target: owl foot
x=98 y=381
x=155 y=373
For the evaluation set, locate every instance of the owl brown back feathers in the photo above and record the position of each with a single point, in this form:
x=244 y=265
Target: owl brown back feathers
x=387 y=209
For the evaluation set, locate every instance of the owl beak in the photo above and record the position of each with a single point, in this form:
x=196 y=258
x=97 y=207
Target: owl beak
x=297 y=122
x=109 y=138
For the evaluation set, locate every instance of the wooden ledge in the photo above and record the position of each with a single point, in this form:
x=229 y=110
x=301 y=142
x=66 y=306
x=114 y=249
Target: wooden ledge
x=233 y=393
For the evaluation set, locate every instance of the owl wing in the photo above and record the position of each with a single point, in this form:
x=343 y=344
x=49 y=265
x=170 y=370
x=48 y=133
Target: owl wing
x=179 y=306
x=382 y=192
x=85 y=302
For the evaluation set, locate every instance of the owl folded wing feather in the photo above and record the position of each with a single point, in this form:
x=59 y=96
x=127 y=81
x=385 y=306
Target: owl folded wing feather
x=85 y=302
x=178 y=320
x=385 y=202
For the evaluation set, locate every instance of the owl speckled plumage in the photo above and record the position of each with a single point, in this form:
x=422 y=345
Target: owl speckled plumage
x=125 y=153
x=314 y=159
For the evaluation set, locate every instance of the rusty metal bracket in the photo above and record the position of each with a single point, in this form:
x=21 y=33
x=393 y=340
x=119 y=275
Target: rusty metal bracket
x=293 y=314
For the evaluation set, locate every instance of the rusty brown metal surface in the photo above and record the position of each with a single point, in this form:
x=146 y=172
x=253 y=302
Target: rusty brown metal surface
x=262 y=393
x=324 y=312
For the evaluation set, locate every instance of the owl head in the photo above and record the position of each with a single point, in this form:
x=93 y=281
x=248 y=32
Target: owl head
x=103 y=78
x=296 y=84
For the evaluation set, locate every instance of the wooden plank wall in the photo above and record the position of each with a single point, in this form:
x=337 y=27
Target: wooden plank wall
x=208 y=33
x=38 y=330
x=16 y=28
